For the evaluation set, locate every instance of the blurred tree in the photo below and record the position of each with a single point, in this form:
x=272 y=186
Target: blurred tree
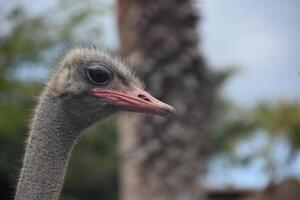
x=163 y=159
x=26 y=46
x=279 y=120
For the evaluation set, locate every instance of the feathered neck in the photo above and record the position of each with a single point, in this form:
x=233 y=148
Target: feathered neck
x=51 y=139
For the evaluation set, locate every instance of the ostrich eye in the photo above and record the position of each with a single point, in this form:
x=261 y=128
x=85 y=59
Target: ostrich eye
x=99 y=76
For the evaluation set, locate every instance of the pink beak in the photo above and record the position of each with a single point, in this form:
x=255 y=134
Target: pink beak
x=138 y=101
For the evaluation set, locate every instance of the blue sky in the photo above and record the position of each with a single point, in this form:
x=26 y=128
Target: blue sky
x=259 y=37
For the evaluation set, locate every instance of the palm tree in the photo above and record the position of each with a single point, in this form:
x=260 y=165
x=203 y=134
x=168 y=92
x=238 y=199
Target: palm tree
x=163 y=159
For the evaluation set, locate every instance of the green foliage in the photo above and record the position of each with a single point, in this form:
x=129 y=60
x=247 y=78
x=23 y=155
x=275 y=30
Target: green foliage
x=231 y=123
x=92 y=171
x=277 y=118
x=280 y=118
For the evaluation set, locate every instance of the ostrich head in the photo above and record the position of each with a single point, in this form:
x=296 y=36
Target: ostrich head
x=90 y=84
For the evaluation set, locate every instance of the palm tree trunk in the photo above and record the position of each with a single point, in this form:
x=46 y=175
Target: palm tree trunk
x=164 y=159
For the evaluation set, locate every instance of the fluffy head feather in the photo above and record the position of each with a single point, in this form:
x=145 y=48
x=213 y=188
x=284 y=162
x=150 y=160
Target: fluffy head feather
x=90 y=84
x=69 y=75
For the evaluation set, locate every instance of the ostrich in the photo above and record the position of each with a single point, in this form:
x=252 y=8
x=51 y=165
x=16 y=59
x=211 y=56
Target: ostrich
x=87 y=86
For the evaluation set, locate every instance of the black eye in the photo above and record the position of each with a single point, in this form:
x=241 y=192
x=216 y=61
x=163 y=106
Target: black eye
x=99 y=75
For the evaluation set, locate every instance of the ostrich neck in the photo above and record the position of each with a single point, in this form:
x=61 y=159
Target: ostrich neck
x=50 y=142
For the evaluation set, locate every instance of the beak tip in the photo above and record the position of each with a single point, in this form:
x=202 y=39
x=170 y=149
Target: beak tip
x=170 y=112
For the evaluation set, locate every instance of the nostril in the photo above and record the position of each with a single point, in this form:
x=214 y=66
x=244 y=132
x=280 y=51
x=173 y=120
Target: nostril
x=141 y=96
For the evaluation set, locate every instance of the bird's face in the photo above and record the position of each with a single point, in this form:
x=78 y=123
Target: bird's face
x=93 y=84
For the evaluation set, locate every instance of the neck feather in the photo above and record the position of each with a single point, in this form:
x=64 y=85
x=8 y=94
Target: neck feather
x=50 y=142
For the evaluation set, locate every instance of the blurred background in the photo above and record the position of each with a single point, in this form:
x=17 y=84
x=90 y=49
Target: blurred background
x=251 y=48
